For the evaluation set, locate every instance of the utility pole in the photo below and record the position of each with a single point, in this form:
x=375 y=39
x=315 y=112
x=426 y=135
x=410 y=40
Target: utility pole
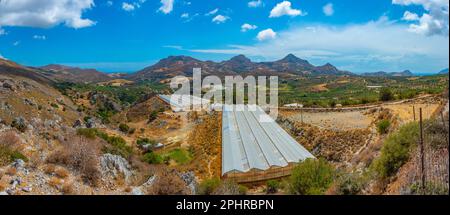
x=422 y=160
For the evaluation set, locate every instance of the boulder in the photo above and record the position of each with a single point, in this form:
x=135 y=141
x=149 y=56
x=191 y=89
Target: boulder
x=77 y=124
x=115 y=165
x=9 y=85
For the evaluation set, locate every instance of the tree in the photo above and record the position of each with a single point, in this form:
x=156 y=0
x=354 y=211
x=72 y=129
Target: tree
x=386 y=94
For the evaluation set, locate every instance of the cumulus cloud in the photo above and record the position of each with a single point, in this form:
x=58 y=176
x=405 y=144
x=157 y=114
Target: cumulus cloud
x=247 y=27
x=257 y=3
x=45 y=14
x=219 y=19
x=285 y=9
x=127 y=7
x=328 y=9
x=210 y=13
x=266 y=35
x=167 y=6
x=434 y=21
x=408 y=16
x=373 y=46
x=39 y=37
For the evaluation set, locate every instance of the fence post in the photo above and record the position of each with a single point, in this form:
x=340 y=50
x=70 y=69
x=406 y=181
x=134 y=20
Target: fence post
x=445 y=127
x=422 y=160
x=414 y=113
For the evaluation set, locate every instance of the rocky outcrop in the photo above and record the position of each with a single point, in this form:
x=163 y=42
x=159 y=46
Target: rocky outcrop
x=115 y=166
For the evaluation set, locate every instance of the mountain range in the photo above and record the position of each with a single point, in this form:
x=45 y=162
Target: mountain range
x=405 y=73
x=183 y=65
x=288 y=67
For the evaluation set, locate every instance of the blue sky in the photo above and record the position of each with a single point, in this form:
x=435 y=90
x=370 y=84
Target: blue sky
x=128 y=35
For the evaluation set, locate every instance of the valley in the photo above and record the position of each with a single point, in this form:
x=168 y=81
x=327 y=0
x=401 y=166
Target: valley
x=65 y=130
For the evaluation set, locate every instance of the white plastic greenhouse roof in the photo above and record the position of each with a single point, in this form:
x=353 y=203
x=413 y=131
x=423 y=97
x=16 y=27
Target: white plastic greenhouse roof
x=183 y=102
x=251 y=144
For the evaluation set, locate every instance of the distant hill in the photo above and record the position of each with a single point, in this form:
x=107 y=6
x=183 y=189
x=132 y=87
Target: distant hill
x=443 y=72
x=405 y=73
x=11 y=68
x=73 y=74
x=183 y=65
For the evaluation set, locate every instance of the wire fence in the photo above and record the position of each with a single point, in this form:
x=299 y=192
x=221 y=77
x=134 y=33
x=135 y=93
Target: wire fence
x=433 y=176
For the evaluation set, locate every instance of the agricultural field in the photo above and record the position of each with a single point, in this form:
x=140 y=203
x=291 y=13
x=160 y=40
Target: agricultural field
x=326 y=91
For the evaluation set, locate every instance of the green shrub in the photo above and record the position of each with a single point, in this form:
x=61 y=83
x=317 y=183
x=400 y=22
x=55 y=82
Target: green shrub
x=124 y=128
x=118 y=146
x=430 y=189
x=153 y=116
x=90 y=133
x=386 y=94
x=17 y=155
x=272 y=186
x=311 y=177
x=152 y=158
x=348 y=184
x=145 y=141
x=383 y=126
x=208 y=186
x=8 y=155
x=396 y=149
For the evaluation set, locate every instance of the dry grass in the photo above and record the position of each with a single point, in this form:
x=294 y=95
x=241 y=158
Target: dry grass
x=206 y=142
x=62 y=173
x=11 y=171
x=168 y=183
x=49 y=169
x=82 y=155
x=9 y=144
x=67 y=188
x=55 y=182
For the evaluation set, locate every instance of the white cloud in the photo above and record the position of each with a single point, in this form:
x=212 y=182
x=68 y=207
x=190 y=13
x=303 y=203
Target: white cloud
x=219 y=19
x=109 y=3
x=3 y=32
x=45 y=14
x=284 y=8
x=185 y=15
x=127 y=7
x=246 y=27
x=132 y=6
x=408 y=16
x=3 y=58
x=16 y=43
x=39 y=37
x=373 y=46
x=434 y=21
x=174 y=47
x=328 y=9
x=210 y=13
x=256 y=3
x=167 y=6
x=266 y=35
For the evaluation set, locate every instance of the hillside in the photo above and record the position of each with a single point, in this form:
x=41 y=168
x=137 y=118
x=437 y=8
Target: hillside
x=73 y=74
